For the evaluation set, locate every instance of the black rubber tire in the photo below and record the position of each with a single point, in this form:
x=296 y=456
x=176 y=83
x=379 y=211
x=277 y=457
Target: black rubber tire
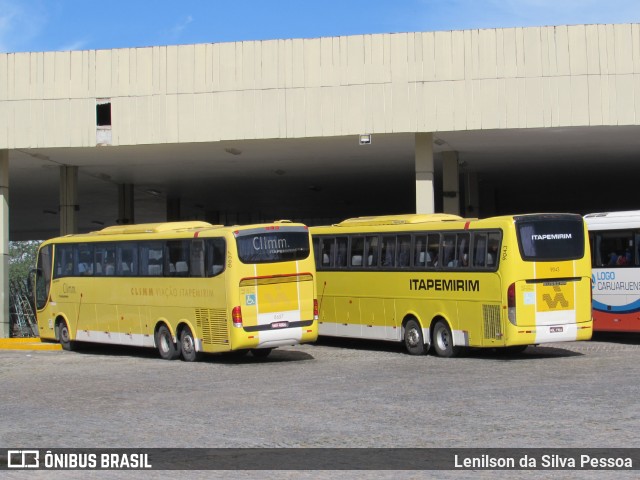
x=413 y=338
x=188 y=346
x=261 y=352
x=443 y=340
x=164 y=343
x=64 y=337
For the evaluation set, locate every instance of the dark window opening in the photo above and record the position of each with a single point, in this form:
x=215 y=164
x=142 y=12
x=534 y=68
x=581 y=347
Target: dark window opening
x=103 y=114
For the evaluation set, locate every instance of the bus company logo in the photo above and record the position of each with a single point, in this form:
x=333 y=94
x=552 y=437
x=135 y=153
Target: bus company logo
x=558 y=298
x=552 y=236
x=23 y=459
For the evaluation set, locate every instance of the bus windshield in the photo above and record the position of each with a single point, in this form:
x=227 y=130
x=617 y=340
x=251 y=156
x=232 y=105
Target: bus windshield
x=550 y=237
x=282 y=245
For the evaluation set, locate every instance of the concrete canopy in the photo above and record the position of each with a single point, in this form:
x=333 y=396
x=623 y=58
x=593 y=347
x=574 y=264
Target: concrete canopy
x=578 y=169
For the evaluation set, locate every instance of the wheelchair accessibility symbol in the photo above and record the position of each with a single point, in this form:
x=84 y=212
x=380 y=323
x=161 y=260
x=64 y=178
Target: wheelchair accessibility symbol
x=250 y=299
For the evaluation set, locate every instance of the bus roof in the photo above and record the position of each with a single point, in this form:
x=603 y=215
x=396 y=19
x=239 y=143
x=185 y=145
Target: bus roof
x=613 y=220
x=411 y=218
x=155 y=227
x=182 y=229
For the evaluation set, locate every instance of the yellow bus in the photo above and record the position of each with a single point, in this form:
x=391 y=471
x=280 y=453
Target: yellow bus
x=185 y=288
x=443 y=281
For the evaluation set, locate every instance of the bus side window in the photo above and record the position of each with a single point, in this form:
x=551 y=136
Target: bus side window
x=63 y=261
x=197 y=258
x=83 y=264
x=325 y=252
x=449 y=250
x=151 y=259
x=357 y=251
x=317 y=254
x=216 y=256
x=127 y=259
x=43 y=276
x=479 y=250
x=388 y=251
x=341 y=252
x=433 y=247
x=420 y=251
x=462 y=250
x=371 y=251
x=177 y=255
x=404 y=251
x=493 y=250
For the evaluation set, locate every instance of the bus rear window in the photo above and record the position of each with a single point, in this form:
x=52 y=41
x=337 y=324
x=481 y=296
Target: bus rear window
x=550 y=237
x=272 y=246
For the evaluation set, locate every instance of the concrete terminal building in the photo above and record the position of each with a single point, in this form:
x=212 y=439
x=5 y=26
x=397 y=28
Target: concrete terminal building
x=476 y=122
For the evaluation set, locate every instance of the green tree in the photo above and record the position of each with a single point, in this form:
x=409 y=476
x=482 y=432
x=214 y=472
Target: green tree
x=22 y=258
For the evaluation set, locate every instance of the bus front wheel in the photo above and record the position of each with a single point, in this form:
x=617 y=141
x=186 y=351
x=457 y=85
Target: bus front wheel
x=188 y=346
x=443 y=340
x=167 y=349
x=413 y=339
x=64 y=337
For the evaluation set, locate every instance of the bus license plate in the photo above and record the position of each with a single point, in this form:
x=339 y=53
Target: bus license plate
x=556 y=330
x=279 y=324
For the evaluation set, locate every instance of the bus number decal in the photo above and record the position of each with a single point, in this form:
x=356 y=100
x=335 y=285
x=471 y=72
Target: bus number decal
x=504 y=253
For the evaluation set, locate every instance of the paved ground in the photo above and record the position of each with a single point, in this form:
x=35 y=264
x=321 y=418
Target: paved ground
x=333 y=394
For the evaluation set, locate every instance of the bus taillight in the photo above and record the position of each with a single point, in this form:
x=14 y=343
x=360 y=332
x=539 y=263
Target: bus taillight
x=236 y=316
x=315 y=309
x=511 y=303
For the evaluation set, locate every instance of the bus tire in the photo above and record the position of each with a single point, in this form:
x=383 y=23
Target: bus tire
x=64 y=337
x=164 y=342
x=261 y=352
x=413 y=338
x=443 y=340
x=188 y=346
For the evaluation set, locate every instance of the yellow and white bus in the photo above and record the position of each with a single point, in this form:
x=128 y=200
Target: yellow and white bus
x=450 y=282
x=185 y=288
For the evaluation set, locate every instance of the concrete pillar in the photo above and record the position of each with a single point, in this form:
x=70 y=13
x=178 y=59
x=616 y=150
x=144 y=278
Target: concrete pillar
x=126 y=213
x=5 y=330
x=424 y=173
x=450 y=183
x=68 y=200
x=472 y=195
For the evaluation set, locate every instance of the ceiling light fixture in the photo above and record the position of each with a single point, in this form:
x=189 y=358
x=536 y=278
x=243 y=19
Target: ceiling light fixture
x=365 y=139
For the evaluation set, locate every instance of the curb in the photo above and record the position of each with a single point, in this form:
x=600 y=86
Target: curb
x=27 y=344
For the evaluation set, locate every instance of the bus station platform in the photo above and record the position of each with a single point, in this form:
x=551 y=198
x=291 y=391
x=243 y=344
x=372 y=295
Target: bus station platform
x=26 y=343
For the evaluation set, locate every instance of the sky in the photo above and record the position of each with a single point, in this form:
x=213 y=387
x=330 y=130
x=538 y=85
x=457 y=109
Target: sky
x=53 y=25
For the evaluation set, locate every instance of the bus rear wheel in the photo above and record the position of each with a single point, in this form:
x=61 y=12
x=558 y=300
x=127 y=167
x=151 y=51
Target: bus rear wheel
x=413 y=339
x=64 y=337
x=443 y=340
x=164 y=341
x=188 y=346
